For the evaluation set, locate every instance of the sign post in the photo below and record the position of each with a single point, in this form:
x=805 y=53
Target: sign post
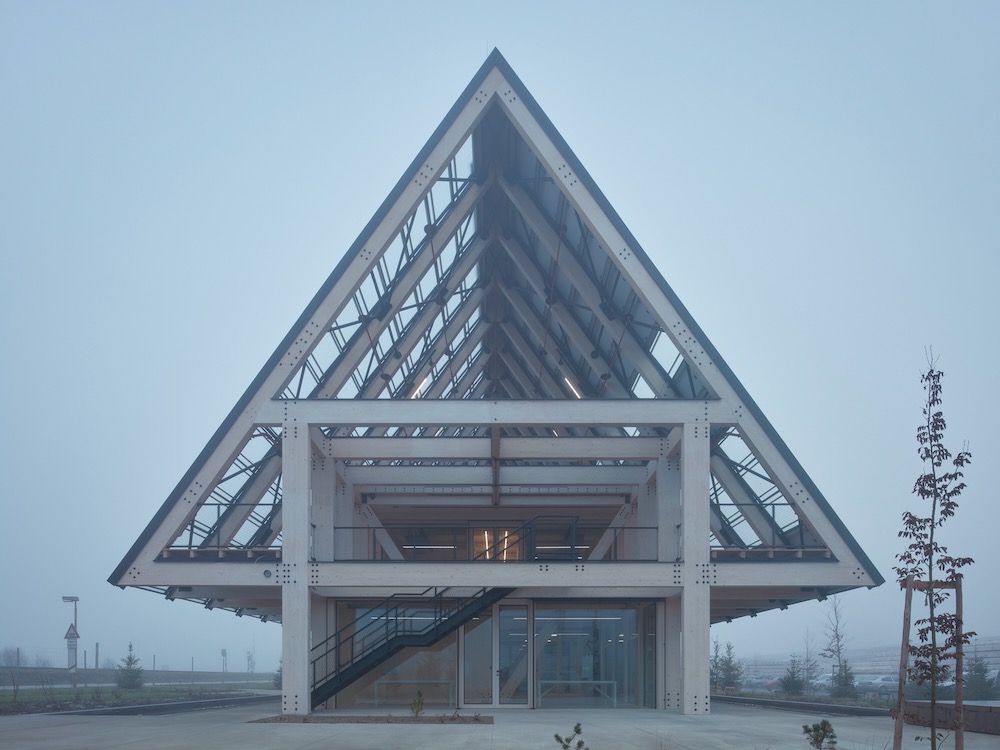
x=71 y=638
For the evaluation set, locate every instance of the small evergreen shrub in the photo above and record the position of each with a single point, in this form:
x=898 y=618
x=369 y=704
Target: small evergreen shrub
x=821 y=736
x=129 y=675
x=417 y=704
x=567 y=743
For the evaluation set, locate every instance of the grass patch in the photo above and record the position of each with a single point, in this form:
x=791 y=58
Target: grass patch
x=35 y=699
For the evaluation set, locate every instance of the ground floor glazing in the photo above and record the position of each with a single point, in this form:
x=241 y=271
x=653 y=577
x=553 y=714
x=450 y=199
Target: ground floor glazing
x=541 y=654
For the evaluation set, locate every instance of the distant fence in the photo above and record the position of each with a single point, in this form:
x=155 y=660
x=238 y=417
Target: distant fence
x=975 y=718
x=28 y=677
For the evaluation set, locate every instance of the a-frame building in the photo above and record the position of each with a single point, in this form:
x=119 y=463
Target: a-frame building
x=495 y=460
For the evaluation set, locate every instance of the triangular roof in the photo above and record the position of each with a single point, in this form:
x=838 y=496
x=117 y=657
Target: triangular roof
x=495 y=269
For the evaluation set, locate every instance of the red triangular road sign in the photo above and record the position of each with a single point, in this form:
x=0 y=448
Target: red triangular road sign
x=71 y=633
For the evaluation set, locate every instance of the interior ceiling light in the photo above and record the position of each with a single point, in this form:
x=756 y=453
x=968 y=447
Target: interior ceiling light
x=575 y=391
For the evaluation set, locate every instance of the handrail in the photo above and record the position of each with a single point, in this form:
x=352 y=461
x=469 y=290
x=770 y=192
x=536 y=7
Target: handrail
x=383 y=603
x=505 y=544
x=528 y=528
x=543 y=537
x=379 y=633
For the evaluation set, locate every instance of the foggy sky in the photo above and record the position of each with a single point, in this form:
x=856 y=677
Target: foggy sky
x=818 y=183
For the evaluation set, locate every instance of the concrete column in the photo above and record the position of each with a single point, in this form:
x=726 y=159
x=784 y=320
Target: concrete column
x=673 y=656
x=695 y=623
x=344 y=518
x=647 y=509
x=296 y=469
x=668 y=510
x=698 y=569
x=322 y=515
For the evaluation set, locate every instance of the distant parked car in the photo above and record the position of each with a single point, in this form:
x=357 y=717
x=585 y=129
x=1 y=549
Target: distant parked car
x=762 y=682
x=823 y=683
x=885 y=685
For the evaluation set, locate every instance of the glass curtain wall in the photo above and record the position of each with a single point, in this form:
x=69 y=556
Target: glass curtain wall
x=593 y=656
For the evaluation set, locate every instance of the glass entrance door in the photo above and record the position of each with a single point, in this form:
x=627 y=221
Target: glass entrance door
x=496 y=663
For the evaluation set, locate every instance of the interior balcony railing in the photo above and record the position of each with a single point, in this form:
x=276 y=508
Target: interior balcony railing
x=547 y=539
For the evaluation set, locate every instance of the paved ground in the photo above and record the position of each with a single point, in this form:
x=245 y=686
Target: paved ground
x=729 y=727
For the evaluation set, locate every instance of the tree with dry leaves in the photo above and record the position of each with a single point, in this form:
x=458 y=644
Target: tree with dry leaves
x=925 y=558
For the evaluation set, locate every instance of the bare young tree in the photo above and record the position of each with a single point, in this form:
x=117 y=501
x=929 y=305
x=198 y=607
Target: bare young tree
x=940 y=633
x=842 y=685
x=810 y=666
x=11 y=658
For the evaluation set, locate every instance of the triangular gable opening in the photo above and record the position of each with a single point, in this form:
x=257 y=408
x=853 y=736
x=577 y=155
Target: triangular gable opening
x=496 y=270
x=752 y=514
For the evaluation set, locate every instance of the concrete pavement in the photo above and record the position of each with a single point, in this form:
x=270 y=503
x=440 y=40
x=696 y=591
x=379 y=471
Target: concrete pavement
x=728 y=727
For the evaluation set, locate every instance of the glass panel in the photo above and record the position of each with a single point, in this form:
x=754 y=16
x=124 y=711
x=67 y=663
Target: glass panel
x=478 y=660
x=513 y=654
x=559 y=538
x=586 y=657
x=427 y=542
x=497 y=543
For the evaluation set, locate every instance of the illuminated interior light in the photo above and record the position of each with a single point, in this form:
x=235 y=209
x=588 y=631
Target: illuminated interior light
x=404 y=617
x=420 y=387
x=505 y=546
x=429 y=546
x=578 y=618
x=486 y=537
x=575 y=391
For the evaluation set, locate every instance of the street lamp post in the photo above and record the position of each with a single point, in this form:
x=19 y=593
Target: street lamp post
x=72 y=636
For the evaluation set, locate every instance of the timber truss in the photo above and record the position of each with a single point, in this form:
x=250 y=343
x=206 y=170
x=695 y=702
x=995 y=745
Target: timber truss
x=496 y=373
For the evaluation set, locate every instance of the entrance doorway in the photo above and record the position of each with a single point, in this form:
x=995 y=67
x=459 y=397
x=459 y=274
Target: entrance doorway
x=496 y=658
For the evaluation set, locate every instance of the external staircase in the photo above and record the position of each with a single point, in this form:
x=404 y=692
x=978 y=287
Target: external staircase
x=386 y=628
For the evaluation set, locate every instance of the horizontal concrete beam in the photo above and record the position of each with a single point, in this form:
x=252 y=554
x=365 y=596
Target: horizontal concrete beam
x=651 y=412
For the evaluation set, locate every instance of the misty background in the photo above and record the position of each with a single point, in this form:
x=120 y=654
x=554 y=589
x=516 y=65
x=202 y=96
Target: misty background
x=817 y=182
